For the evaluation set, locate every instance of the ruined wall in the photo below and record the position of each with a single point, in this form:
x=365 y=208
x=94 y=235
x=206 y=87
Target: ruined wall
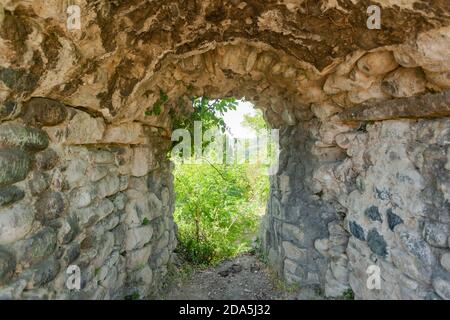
x=86 y=117
x=75 y=191
x=379 y=198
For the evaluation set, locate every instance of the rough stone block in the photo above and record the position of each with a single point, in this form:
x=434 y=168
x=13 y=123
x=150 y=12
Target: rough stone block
x=14 y=166
x=16 y=135
x=44 y=112
x=10 y=195
x=15 y=222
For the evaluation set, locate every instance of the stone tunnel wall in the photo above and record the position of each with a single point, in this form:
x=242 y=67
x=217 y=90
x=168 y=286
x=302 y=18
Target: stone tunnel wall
x=380 y=197
x=77 y=192
x=87 y=182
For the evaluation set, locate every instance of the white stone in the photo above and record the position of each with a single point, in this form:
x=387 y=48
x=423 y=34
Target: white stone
x=375 y=92
x=324 y=110
x=98 y=172
x=143 y=161
x=145 y=275
x=83 y=129
x=322 y=245
x=107 y=186
x=293 y=252
x=339 y=269
x=377 y=63
x=404 y=82
x=15 y=222
x=445 y=261
x=329 y=130
x=127 y=133
x=138 y=259
x=333 y=287
x=442 y=287
x=440 y=79
x=355 y=80
x=138 y=237
x=81 y=197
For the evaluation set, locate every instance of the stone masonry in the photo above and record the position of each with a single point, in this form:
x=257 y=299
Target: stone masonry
x=86 y=117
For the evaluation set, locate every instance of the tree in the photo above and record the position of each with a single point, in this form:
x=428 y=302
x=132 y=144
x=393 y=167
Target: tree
x=255 y=122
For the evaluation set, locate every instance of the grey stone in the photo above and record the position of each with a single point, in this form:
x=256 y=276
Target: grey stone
x=13 y=291
x=67 y=228
x=46 y=160
x=376 y=243
x=18 y=79
x=37 y=247
x=160 y=259
x=120 y=200
x=38 y=183
x=107 y=186
x=36 y=294
x=15 y=135
x=441 y=285
x=416 y=246
x=356 y=230
x=9 y=109
x=382 y=194
x=373 y=214
x=393 y=219
x=10 y=195
x=49 y=206
x=41 y=273
x=445 y=261
x=162 y=242
x=123 y=185
x=436 y=234
x=7 y=265
x=411 y=265
x=137 y=259
x=81 y=197
x=14 y=166
x=98 y=172
x=138 y=237
x=102 y=157
x=293 y=252
x=15 y=222
x=292 y=233
x=95 y=212
x=70 y=253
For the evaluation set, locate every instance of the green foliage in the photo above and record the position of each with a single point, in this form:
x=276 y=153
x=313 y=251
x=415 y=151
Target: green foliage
x=348 y=295
x=218 y=209
x=145 y=221
x=133 y=296
x=156 y=109
x=209 y=111
x=255 y=122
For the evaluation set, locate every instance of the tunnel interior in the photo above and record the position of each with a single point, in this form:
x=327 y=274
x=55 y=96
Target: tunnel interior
x=86 y=123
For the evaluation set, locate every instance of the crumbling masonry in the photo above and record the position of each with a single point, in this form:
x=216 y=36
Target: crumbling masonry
x=364 y=173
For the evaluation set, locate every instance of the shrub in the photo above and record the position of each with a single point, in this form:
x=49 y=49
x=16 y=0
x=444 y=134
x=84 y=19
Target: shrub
x=218 y=209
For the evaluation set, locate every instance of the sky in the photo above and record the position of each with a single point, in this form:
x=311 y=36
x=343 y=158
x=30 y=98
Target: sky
x=233 y=119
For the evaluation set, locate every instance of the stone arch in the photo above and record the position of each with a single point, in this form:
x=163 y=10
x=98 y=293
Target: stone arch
x=363 y=116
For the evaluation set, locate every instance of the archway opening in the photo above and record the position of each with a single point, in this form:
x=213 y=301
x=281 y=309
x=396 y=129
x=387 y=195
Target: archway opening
x=222 y=185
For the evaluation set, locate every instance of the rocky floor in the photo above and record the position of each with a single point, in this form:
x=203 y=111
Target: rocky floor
x=242 y=278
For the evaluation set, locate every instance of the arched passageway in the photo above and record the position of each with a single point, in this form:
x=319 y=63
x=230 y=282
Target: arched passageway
x=363 y=115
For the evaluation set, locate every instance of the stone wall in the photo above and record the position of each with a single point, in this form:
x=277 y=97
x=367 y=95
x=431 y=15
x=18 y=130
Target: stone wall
x=75 y=191
x=381 y=197
x=86 y=117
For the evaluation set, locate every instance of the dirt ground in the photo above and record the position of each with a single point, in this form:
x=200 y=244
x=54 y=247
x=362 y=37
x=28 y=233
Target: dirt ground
x=243 y=277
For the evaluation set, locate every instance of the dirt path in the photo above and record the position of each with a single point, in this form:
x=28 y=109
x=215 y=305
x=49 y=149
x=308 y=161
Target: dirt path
x=244 y=277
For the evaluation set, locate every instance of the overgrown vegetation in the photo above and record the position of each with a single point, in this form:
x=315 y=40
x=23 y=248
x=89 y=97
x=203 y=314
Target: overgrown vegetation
x=209 y=111
x=218 y=209
x=218 y=206
x=348 y=295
